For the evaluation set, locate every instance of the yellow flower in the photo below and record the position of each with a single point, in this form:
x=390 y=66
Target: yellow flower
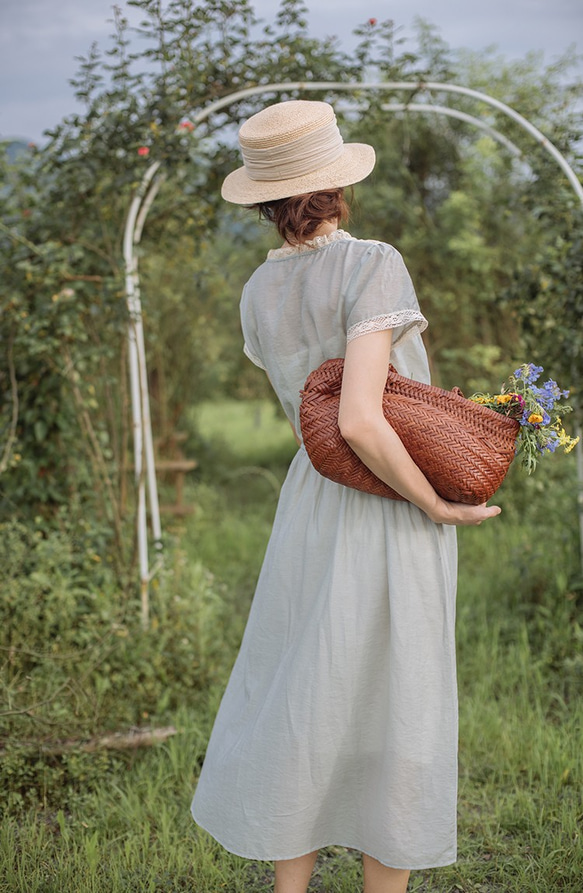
x=535 y=419
x=503 y=398
x=572 y=444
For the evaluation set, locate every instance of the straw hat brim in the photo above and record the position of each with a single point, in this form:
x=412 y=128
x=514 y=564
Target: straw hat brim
x=355 y=163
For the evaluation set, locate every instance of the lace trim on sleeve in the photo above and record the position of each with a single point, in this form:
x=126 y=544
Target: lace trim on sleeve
x=253 y=358
x=412 y=320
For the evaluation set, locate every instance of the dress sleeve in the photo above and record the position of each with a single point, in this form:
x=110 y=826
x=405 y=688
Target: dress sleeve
x=252 y=356
x=249 y=327
x=380 y=295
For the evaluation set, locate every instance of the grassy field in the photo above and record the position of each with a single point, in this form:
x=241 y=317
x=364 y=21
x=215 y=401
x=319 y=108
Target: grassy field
x=109 y=822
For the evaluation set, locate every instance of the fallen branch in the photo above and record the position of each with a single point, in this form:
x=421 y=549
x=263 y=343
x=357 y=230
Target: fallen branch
x=116 y=741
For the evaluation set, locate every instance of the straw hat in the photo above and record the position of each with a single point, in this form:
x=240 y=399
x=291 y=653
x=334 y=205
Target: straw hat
x=293 y=148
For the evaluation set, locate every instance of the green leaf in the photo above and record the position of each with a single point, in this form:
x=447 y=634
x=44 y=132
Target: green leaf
x=40 y=430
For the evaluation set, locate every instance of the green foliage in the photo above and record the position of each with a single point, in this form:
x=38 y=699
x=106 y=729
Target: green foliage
x=468 y=219
x=103 y=822
x=452 y=203
x=529 y=562
x=245 y=433
x=76 y=663
x=547 y=297
x=193 y=334
x=63 y=320
x=495 y=252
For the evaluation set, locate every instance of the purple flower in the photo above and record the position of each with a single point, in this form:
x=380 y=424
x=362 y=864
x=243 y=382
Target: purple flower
x=518 y=398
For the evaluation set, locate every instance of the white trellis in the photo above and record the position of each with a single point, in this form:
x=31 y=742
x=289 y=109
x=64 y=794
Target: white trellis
x=150 y=184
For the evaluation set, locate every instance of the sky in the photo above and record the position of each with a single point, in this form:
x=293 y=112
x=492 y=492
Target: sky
x=39 y=40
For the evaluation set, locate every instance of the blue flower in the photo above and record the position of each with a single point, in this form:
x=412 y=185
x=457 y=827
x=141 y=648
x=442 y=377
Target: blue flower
x=551 y=387
x=536 y=408
x=553 y=442
x=528 y=372
x=548 y=395
x=542 y=396
x=533 y=373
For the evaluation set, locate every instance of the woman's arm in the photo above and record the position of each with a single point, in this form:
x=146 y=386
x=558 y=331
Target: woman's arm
x=364 y=427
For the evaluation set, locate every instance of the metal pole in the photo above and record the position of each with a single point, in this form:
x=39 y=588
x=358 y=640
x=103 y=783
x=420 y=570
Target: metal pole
x=137 y=374
x=455 y=113
x=145 y=397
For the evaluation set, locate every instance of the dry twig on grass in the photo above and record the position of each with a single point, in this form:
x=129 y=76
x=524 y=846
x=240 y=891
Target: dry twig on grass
x=115 y=741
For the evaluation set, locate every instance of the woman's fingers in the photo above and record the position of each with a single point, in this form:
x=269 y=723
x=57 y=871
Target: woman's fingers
x=461 y=515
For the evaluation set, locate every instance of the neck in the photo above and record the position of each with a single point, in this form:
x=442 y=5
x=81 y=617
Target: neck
x=325 y=228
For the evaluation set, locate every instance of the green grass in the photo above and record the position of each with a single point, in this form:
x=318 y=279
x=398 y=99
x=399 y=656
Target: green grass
x=104 y=822
x=251 y=433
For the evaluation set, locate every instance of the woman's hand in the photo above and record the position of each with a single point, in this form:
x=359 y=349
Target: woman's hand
x=461 y=515
x=376 y=443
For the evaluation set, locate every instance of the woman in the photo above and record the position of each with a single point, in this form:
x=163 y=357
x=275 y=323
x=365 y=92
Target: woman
x=339 y=722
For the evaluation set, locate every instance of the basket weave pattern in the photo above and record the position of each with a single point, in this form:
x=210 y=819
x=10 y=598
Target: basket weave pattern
x=464 y=449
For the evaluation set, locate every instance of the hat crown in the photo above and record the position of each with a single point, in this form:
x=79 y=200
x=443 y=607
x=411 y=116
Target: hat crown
x=293 y=148
x=285 y=122
x=290 y=139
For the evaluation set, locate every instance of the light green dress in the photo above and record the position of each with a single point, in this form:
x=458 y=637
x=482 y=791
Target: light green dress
x=339 y=722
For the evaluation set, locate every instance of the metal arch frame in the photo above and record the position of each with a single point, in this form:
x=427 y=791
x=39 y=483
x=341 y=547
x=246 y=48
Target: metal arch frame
x=137 y=214
x=455 y=113
x=142 y=424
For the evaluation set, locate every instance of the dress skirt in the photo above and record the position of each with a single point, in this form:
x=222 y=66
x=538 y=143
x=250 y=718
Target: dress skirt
x=339 y=722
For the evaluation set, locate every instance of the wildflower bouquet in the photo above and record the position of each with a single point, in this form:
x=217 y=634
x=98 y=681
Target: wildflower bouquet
x=537 y=409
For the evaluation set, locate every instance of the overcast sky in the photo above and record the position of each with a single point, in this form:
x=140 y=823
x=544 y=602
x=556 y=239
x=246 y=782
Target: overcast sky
x=39 y=40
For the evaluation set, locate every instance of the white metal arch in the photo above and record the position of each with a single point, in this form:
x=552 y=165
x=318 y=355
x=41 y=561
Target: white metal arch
x=143 y=441
x=448 y=112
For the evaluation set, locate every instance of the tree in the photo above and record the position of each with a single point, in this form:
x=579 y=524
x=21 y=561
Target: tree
x=459 y=212
x=466 y=215
x=63 y=320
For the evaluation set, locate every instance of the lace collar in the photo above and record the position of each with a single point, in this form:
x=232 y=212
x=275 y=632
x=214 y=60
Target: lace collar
x=338 y=235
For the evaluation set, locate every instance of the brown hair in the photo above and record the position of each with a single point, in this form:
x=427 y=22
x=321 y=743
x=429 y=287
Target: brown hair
x=297 y=218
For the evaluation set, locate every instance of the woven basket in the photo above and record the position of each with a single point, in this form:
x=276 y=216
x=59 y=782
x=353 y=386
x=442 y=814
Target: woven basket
x=463 y=448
